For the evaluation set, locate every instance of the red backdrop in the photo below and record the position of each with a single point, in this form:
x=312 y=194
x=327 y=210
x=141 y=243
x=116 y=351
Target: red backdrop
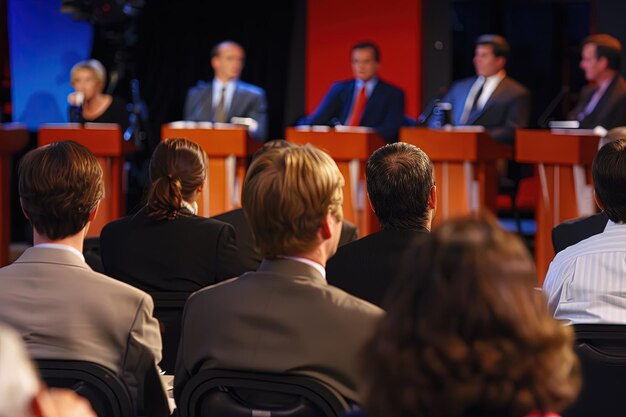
x=334 y=26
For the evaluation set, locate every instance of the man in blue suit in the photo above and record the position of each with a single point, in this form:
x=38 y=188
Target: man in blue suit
x=491 y=99
x=363 y=101
x=227 y=96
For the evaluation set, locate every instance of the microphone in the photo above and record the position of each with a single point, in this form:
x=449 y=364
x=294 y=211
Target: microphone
x=76 y=100
x=430 y=107
x=543 y=119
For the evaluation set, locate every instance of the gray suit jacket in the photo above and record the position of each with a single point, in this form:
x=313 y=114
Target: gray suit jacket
x=507 y=109
x=64 y=310
x=283 y=318
x=248 y=101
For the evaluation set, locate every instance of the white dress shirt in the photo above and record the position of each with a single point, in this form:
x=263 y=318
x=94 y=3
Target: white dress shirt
x=586 y=282
x=62 y=247
x=490 y=85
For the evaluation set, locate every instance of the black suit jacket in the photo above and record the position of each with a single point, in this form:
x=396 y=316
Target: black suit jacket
x=573 y=231
x=181 y=255
x=367 y=267
x=507 y=109
x=248 y=252
x=384 y=110
x=610 y=111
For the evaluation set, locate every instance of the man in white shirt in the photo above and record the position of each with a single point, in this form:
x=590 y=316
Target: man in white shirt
x=491 y=99
x=227 y=96
x=60 y=306
x=586 y=282
x=283 y=318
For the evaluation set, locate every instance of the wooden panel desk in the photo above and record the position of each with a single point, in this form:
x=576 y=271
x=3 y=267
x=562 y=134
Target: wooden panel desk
x=13 y=138
x=563 y=165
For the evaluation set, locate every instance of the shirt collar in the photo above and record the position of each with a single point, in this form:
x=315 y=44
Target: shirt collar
x=218 y=85
x=309 y=262
x=369 y=85
x=61 y=246
x=192 y=207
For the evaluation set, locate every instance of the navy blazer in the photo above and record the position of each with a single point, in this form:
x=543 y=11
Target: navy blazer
x=571 y=232
x=248 y=101
x=507 y=109
x=384 y=110
x=610 y=111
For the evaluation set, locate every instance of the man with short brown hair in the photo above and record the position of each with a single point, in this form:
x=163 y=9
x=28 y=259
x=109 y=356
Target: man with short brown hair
x=62 y=308
x=283 y=318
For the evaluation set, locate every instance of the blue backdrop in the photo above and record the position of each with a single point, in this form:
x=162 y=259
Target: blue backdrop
x=44 y=45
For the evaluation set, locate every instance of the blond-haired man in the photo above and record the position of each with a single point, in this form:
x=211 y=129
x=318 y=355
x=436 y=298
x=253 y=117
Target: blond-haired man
x=283 y=318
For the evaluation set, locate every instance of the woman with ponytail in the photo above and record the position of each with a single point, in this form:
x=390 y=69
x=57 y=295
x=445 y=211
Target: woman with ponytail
x=166 y=246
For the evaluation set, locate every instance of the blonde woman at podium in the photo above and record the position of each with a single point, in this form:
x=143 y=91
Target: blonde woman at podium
x=88 y=102
x=166 y=246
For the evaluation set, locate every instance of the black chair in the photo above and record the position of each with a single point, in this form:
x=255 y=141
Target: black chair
x=168 y=310
x=243 y=394
x=104 y=390
x=601 y=349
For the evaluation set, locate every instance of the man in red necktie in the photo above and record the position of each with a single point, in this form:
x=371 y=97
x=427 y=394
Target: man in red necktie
x=365 y=100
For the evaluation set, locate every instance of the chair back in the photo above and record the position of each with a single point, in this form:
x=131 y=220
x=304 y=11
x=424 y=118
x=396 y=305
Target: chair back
x=168 y=310
x=601 y=349
x=107 y=394
x=244 y=394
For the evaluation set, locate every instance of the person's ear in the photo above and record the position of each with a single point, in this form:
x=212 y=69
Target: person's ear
x=432 y=198
x=23 y=211
x=326 y=230
x=598 y=201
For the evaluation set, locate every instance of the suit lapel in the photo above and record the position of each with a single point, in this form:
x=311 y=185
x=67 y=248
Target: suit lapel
x=493 y=99
x=233 y=109
x=349 y=96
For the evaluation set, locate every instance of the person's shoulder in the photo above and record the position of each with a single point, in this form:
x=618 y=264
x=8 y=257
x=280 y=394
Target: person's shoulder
x=349 y=304
x=251 y=88
x=389 y=87
x=199 y=87
x=213 y=292
x=515 y=86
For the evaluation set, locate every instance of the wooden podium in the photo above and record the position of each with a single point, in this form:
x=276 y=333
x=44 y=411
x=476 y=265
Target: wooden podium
x=465 y=168
x=105 y=141
x=350 y=150
x=13 y=138
x=563 y=166
x=227 y=148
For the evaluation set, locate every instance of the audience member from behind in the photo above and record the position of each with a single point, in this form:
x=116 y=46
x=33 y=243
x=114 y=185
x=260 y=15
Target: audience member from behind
x=283 y=318
x=603 y=101
x=468 y=335
x=585 y=282
x=573 y=231
x=248 y=251
x=88 y=103
x=166 y=246
x=22 y=394
x=62 y=308
x=401 y=189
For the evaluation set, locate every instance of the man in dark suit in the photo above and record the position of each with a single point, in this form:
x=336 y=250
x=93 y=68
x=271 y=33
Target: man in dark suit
x=603 y=101
x=283 y=318
x=364 y=101
x=227 y=96
x=401 y=188
x=491 y=99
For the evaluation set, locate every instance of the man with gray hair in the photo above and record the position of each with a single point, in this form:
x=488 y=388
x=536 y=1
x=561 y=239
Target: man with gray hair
x=401 y=189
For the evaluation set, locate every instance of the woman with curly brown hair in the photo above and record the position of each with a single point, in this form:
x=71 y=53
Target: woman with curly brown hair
x=467 y=333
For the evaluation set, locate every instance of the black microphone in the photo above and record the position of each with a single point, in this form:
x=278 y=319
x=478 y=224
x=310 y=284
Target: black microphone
x=430 y=107
x=543 y=119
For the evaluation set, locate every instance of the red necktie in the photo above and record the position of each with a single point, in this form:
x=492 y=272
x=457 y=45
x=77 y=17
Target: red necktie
x=357 y=110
